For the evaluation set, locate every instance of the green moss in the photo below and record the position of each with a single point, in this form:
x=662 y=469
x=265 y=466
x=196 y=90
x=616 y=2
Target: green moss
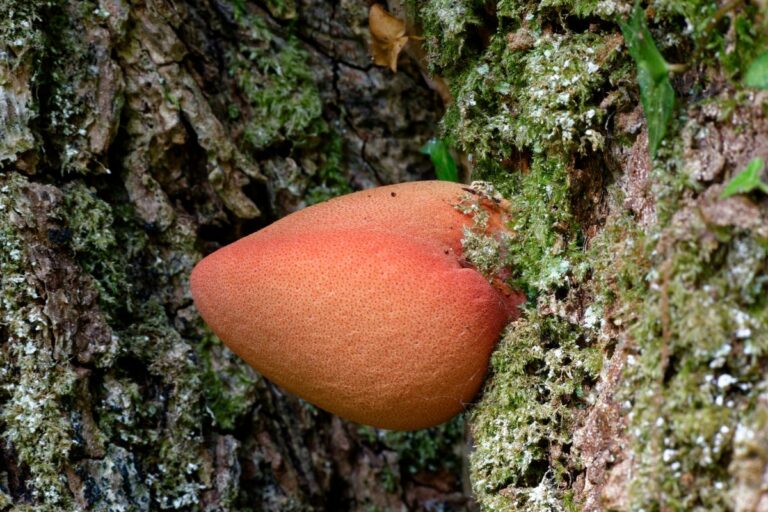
x=484 y=250
x=229 y=385
x=540 y=376
x=727 y=39
x=430 y=449
x=543 y=248
x=527 y=88
x=532 y=12
x=702 y=337
x=31 y=417
x=90 y=222
x=329 y=180
x=275 y=80
x=160 y=410
x=538 y=91
x=543 y=98
x=544 y=91
x=446 y=26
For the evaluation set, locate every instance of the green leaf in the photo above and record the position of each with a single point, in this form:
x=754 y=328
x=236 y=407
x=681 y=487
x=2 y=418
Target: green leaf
x=757 y=74
x=445 y=166
x=747 y=180
x=656 y=91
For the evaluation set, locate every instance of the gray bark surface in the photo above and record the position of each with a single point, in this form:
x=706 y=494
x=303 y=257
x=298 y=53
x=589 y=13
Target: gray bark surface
x=135 y=137
x=138 y=136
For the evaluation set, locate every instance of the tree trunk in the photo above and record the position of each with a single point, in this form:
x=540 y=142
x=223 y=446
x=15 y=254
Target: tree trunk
x=138 y=136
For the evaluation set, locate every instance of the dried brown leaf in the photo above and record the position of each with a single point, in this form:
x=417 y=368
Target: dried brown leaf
x=387 y=35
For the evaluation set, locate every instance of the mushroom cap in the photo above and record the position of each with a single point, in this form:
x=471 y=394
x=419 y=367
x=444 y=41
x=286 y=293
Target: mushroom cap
x=420 y=209
x=360 y=305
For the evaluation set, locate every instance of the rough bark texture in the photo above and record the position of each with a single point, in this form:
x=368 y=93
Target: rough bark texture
x=635 y=378
x=137 y=136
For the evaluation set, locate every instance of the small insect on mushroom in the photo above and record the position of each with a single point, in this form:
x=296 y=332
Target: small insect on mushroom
x=363 y=305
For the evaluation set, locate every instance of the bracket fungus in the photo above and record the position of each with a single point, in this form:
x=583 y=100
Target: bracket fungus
x=365 y=305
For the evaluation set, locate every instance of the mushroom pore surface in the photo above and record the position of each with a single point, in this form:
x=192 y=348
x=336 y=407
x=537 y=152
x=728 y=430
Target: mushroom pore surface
x=361 y=305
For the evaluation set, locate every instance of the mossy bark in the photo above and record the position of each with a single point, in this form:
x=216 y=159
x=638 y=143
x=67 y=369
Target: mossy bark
x=135 y=137
x=635 y=379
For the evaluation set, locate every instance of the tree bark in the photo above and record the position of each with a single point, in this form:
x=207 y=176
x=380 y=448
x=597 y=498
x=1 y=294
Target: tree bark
x=138 y=136
x=135 y=137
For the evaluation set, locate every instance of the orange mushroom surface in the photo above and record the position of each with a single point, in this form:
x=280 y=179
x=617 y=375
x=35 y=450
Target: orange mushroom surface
x=364 y=305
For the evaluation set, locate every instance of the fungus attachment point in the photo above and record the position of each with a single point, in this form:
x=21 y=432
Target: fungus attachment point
x=362 y=305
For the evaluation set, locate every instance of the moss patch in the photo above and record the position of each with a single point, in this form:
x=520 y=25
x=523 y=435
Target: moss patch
x=329 y=180
x=33 y=383
x=229 y=385
x=542 y=370
x=543 y=97
x=535 y=96
x=423 y=450
x=702 y=337
x=276 y=82
x=98 y=247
